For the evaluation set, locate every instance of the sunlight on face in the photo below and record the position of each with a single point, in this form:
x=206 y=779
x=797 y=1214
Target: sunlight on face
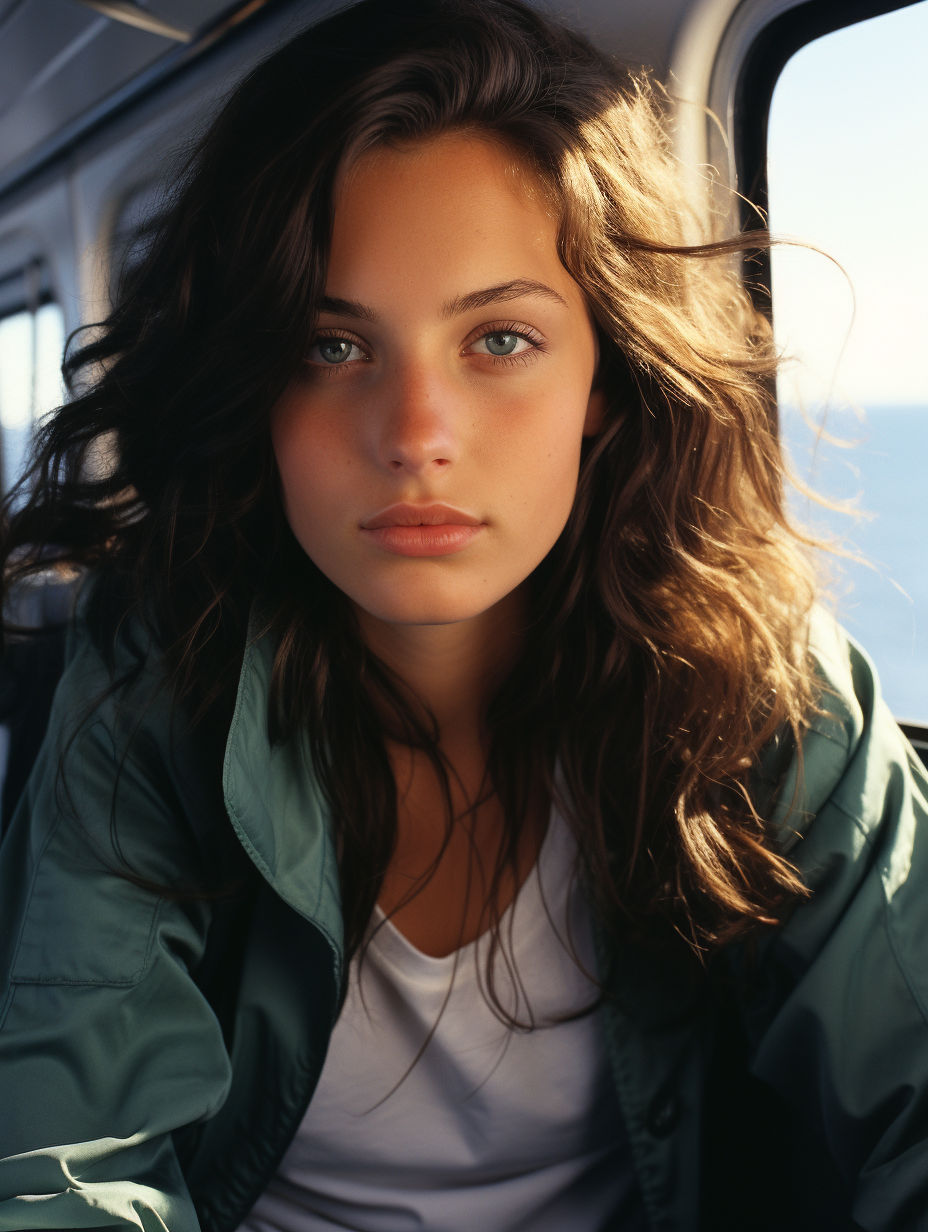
x=429 y=453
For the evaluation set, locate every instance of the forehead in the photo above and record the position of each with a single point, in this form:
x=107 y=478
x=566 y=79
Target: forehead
x=482 y=154
x=441 y=216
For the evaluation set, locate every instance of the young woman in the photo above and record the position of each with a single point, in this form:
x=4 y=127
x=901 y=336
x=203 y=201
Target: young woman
x=454 y=814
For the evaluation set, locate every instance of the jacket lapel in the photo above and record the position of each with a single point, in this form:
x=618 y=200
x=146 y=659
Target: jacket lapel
x=277 y=809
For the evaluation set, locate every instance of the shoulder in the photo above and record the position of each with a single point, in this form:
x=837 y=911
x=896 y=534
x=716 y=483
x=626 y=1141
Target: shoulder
x=115 y=729
x=852 y=752
x=852 y=816
x=106 y=1040
x=121 y=801
x=837 y=1013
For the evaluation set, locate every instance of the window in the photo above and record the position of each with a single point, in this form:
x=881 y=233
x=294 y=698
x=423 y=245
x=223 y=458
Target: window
x=31 y=349
x=848 y=172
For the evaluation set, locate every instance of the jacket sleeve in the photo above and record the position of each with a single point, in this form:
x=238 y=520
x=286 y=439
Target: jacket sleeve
x=106 y=1043
x=840 y=1028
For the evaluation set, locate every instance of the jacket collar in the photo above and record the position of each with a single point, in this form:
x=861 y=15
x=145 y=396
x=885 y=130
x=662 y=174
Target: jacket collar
x=277 y=808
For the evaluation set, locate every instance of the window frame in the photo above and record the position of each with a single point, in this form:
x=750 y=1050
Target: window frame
x=751 y=93
x=44 y=293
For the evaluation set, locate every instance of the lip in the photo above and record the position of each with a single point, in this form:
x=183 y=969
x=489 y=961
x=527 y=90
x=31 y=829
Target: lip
x=420 y=515
x=422 y=530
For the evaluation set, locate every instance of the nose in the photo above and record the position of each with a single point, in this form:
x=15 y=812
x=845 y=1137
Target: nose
x=416 y=430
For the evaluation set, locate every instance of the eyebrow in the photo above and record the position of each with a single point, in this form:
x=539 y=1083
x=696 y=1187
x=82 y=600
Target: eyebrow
x=515 y=289
x=347 y=308
x=498 y=295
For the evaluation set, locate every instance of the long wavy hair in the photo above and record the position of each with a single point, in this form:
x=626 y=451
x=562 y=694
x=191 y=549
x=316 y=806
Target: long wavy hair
x=668 y=642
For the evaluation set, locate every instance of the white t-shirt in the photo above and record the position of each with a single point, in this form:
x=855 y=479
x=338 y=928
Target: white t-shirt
x=431 y=1114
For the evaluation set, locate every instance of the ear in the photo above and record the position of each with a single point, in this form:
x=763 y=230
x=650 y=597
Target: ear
x=595 y=412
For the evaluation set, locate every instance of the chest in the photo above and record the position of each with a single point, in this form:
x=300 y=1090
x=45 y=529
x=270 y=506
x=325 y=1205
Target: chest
x=469 y=1090
x=457 y=865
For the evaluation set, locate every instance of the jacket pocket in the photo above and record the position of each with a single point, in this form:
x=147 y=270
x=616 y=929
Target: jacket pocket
x=83 y=924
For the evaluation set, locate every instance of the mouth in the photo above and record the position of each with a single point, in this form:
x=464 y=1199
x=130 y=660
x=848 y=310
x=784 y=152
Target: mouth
x=422 y=530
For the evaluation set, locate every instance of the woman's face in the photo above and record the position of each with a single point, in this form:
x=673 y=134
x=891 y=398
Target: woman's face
x=429 y=451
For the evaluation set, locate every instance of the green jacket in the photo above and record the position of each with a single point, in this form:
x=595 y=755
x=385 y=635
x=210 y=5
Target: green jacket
x=157 y=1056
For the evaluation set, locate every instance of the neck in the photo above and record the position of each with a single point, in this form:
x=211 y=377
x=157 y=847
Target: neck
x=453 y=669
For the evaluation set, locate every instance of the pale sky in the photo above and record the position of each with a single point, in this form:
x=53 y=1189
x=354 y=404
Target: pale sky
x=16 y=354
x=848 y=171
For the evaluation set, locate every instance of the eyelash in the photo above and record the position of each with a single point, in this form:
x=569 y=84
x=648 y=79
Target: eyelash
x=497 y=327
x=331 y=370
x=520 y=331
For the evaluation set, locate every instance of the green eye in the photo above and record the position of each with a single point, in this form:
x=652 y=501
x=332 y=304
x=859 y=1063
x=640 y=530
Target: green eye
x=501 y=344
x=334 y=350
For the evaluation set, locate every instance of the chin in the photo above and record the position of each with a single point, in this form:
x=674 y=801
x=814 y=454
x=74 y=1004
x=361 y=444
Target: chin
x=426 y=605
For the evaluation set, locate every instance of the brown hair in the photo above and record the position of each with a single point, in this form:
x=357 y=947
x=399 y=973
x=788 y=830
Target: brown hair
x=668 y=638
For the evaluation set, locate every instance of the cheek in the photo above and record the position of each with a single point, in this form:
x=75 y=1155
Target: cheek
x=539 y=460
x=311 y=461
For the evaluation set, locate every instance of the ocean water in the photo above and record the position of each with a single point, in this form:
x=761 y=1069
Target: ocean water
x=884 y=473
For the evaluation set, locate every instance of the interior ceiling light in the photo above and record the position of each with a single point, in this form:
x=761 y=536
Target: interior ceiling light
x=134 y=15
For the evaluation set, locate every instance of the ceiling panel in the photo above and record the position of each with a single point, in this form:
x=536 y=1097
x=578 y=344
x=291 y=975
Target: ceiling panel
x=30 y=48
x=190 y=14
x=60 y=58
x=62 y=62
x=7 y=7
